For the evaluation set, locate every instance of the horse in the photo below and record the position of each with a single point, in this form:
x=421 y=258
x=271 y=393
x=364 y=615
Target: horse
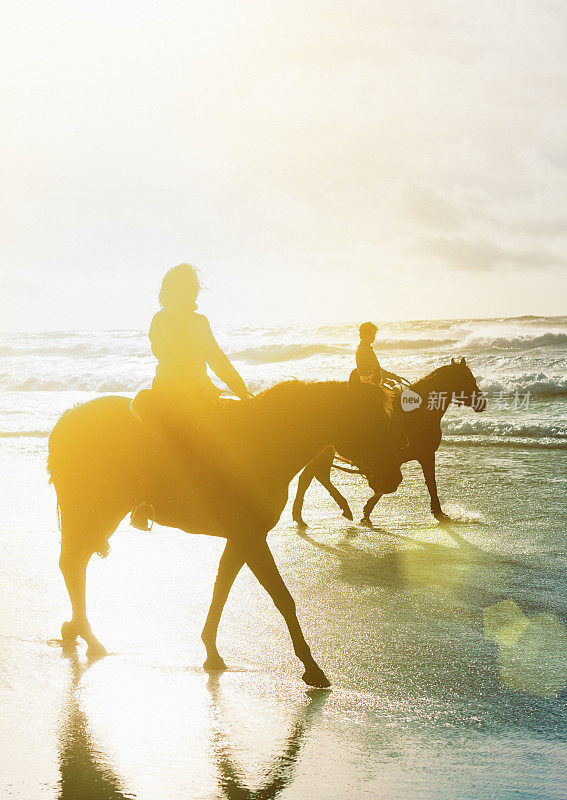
x=420 y=426
x=232 y=482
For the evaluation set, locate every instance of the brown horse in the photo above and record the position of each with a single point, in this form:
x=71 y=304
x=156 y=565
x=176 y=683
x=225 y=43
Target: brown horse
x=421 y=432
x=231 y=482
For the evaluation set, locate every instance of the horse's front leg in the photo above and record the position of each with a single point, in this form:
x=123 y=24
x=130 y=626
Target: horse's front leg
x=229 y=567
x=428 y=466
x=369 y=508
x=260 y=560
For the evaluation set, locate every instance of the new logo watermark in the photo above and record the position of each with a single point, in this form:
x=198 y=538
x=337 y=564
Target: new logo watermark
x=439 y=401
x=410 y=400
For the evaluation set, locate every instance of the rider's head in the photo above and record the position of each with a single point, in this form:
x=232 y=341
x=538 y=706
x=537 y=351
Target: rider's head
x=180 y=287
x=367 y=332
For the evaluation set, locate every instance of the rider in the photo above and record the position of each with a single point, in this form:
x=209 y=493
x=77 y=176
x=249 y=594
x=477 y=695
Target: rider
x=367 y=363
x=368 y=366
x=183 y=343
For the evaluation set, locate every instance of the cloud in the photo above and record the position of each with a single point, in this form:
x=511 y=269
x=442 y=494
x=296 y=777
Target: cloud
x=478 y=255
x=291 y=138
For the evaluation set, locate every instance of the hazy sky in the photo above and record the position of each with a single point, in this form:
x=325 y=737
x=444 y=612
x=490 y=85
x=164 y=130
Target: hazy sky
x=318 y=160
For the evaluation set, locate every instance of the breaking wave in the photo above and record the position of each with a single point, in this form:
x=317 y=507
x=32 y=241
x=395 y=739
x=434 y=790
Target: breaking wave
x=504 y=428
x=496 y=441
x=549 y=339
x=270 y=353
x=17 y=434
x=72 y=383
x=536 y=383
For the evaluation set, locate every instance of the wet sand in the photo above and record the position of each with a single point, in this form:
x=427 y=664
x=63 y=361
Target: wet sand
x=431 y=697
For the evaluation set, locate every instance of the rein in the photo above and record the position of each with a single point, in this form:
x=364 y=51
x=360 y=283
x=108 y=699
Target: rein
x=351 y=469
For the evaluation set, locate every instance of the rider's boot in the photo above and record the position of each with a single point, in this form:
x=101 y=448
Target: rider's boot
x=141 y=516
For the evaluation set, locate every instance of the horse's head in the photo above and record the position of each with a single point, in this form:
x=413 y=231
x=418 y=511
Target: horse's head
x=365 y=435
x=464 y=387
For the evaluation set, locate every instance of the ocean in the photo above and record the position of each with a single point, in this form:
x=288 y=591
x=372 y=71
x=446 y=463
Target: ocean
x=515 y=360
x=446 y=644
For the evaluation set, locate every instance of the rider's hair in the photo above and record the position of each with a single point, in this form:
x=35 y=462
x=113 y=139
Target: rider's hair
x=367 y=329
x=179 y=287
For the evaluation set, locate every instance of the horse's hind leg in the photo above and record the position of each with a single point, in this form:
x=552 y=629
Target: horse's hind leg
x=261 y=562
x=323 y=464
x=302 y=485
x=339 y=499
x=320 y=468
x=73 y=562
x=229 y=567
x=73 y=565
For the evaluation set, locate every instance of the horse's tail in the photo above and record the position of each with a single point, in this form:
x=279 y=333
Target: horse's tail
x=54 y=447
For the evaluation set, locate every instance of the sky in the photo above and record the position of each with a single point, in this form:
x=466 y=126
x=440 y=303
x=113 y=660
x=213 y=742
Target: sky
x=318 y=161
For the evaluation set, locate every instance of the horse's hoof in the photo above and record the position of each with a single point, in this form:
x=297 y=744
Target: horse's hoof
x=301 y=524
x=96 y=650
x=314 y=676
x=347 y=513
x=366 y=521
x=215 y=664
x=441 y=517
x=69 y=633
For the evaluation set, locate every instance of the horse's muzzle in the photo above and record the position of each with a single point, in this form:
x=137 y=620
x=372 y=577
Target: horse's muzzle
x=385 y=484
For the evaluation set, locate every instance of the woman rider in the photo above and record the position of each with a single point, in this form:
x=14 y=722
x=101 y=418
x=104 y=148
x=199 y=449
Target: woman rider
x=183 y=343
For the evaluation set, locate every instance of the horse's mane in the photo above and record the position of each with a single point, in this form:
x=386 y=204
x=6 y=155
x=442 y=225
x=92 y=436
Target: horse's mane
x=433 y=374
x=273 y=393
x=294 y=390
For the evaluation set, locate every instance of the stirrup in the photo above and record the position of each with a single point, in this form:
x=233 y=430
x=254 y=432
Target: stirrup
x=143 y=525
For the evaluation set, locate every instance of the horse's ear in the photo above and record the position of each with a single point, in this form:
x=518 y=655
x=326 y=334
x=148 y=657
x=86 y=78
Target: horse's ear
x=463 y=362
x=354 y=380
x=453 y=361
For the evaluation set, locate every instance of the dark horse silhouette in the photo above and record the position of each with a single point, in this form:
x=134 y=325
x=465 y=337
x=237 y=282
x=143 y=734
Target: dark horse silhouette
x=228 y=477
x=422 y=428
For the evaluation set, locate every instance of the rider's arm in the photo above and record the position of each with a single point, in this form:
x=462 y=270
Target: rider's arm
x=391 y=376
x=221 y=366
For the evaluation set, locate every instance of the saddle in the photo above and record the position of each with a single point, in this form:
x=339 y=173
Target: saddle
x=173 y=423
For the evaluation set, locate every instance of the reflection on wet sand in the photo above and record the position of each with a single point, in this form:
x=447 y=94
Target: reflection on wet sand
x=87 y=774
x=408 y=562
x=279 y=771
x=531 y=650
x=82 y=774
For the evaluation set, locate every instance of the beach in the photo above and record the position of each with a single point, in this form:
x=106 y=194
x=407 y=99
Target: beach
x=446 y=645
